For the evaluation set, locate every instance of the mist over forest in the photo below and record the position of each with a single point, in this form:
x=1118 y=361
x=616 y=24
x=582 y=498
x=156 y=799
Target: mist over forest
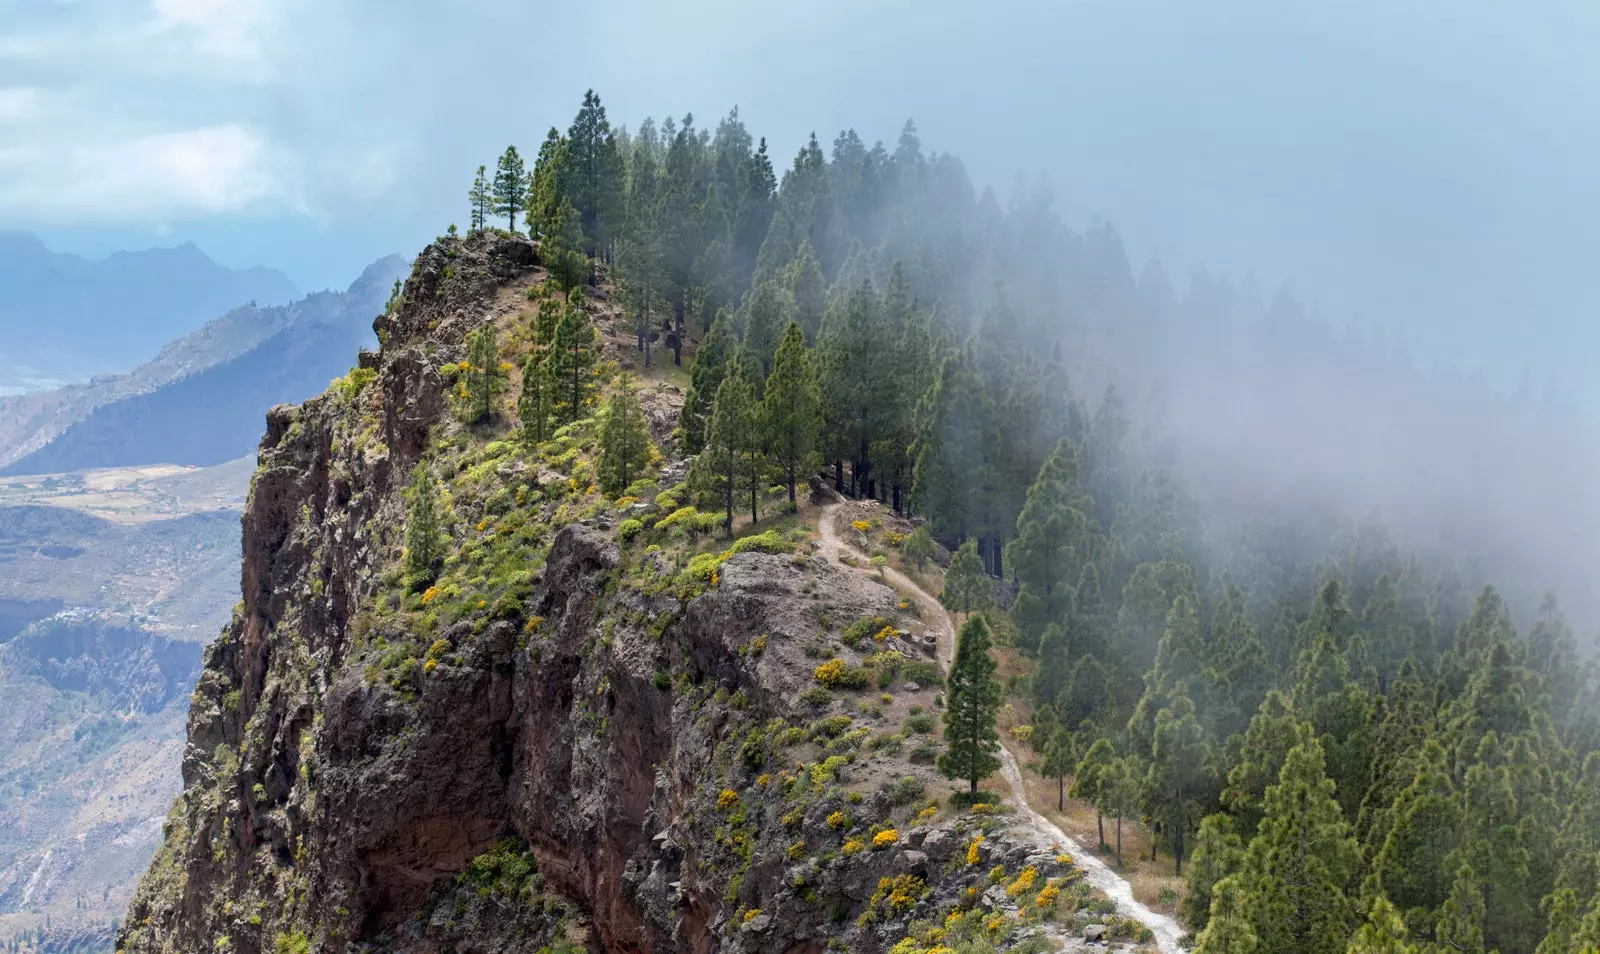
x=1293 y=436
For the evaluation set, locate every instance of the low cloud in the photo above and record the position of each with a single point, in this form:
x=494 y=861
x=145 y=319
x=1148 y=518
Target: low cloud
x=214 y=169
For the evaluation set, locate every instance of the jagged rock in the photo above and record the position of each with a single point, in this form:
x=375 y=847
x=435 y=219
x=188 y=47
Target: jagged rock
x=1094 y=932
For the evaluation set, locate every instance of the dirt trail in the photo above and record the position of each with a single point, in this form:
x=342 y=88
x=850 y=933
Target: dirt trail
x=1044 y=832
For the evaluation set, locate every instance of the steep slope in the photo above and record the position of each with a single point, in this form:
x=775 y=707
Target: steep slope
x=201 y=400
x=596 y=729
x=67 y=317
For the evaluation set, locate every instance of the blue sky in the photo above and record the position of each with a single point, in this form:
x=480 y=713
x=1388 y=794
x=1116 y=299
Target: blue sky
x=1427 y=166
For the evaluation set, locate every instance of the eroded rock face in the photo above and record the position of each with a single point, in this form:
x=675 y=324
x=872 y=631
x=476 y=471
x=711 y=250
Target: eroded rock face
x=598 y=722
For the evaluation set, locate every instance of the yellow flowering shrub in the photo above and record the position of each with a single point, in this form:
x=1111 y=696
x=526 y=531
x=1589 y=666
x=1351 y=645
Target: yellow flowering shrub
x=764 y=780
x=797 y=850
x=430 y=594
x=862 y=525
x=1048 y=896
x=430 y=665
x=884 y=633
x=728 y=799
x=927 y=813
x=838 y=820
x=439 y=648
x=751 y=915
x=1024 y=882
x=885 y=838
x=972 y=850
x=851 y=846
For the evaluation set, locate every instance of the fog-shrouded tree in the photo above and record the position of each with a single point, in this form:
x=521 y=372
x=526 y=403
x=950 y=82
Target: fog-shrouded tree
x=972 y=702
x=966 y=588
x=791 y=410
x=1089 y=782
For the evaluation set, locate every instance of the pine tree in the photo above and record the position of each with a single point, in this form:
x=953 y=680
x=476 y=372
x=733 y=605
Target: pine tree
x=533 y=402
x=1384 y=932
x=1228 y=927
x=765 y=318
x=710 y=365
x=728 y=436
x=480 y=199
x=484 y=375
x=1049 y=547
x=569 y=366
x=1177 y=775
x=966 y=587
x=1298 y=869
x=624 y=442
x=424 y=549
x=791 y=410
x=919 y=547
x=510 y=187
x=1218 y=854
x=1089 y=785
x=972 y=702
x=562 y=247
x=1461 y=919
x=1058 y=752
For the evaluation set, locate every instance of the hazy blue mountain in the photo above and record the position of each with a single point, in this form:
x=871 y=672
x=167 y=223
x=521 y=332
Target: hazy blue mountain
x=65 y=317
x=202 y=400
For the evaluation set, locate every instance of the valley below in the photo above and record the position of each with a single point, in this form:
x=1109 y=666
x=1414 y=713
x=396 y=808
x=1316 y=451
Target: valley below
x=111 y=582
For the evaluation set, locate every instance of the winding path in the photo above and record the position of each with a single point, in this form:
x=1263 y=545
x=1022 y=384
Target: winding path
x=1044 y=832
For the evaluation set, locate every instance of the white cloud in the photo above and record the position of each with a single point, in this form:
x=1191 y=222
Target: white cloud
x=18 y=103
x=236 y=38
x=214 y=169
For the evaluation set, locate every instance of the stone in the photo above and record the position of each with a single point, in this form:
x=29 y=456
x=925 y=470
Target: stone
x=1094 y=932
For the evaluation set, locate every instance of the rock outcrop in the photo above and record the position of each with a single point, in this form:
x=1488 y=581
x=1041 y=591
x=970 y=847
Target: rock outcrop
x=591 y=731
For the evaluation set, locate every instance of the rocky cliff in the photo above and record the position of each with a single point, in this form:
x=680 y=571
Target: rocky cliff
x=600 y=727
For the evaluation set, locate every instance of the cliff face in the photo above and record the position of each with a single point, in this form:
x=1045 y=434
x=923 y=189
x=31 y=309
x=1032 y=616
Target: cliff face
x=589 y=744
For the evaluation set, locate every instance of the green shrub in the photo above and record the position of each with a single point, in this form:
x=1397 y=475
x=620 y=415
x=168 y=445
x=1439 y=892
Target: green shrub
x=769 y=542
x=921 y=723
x=906 y=790
x=922 y=672
x=816 y=697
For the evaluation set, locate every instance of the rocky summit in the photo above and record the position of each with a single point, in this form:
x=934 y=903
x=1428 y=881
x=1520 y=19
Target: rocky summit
x=597 y=725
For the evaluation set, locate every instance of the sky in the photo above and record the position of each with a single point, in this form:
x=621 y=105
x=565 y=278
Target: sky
x=1425 y=166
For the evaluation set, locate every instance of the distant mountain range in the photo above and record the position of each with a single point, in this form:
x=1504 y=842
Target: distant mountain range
x=201 y=400
x=66 y=318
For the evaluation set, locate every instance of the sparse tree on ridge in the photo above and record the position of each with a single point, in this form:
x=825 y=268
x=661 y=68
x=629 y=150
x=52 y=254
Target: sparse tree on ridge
x=481 y=201
x=510 y=188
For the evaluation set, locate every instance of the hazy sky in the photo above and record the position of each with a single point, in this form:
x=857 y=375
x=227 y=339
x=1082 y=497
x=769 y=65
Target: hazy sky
x=1428 y=164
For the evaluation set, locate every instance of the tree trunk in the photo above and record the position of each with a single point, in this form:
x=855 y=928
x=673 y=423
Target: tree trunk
x=974 y=784
x=731 y=472
x=838 y=475
x=755 y=486
x=1178 y=852
x=1119 y=840
x=792 y=505
x=1061 y=792
x=1100 y=825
